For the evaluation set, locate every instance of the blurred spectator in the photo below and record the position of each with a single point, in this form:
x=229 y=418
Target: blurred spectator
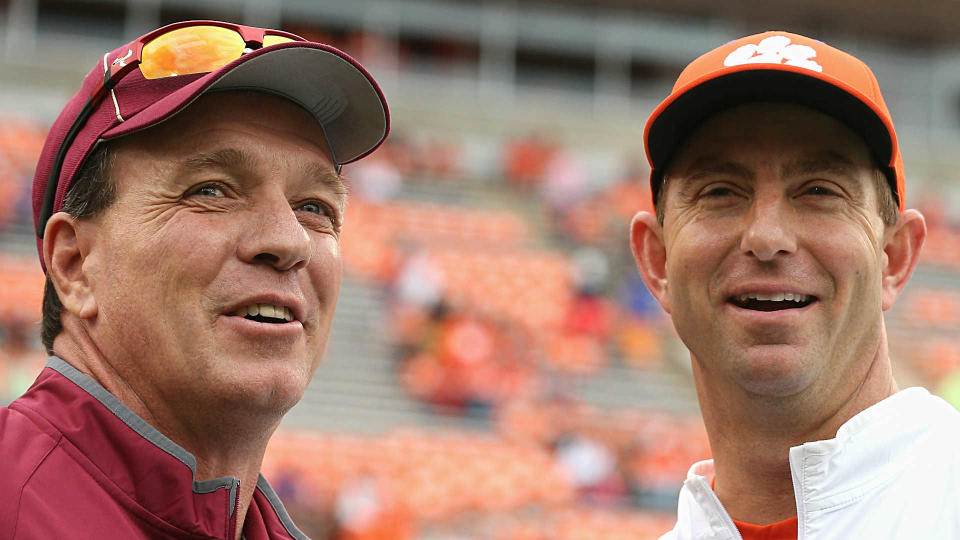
x=602 y=218
x=375 y=179
x=637 y=298
x=467 y=366
x=441 y=158
x=587 y=222
x=310 y=512
x=564 y=181
x=399 y=151
x=592 y=465
x=367 y=509
x=525 y=160
x=639 y=342
x=419 y=282
x=632 y=193
x=591 y=270
x=590 y=315
x=20 y=142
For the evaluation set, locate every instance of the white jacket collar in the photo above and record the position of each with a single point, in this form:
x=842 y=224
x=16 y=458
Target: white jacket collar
x=700 y=513
x=867 y=452
x=827 y=474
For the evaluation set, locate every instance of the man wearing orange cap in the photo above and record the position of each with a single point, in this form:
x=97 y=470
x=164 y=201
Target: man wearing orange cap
x=779 y=239
x=188 y=207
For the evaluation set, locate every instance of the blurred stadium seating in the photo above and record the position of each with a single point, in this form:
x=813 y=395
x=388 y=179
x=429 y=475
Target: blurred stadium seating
x=496 y=371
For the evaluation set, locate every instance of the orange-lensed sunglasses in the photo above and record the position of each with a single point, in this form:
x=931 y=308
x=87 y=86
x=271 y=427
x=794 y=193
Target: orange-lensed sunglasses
x=181 y=48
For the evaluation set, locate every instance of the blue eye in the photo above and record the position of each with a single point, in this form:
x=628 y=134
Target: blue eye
x=324 y=212
x=210 y=190
x=314 y=208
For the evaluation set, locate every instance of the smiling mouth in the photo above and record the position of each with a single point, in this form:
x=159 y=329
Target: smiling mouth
x=772 y=302
x=265 y=313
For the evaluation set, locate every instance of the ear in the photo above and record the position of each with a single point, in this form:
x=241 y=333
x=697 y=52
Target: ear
x=63 y=252
x=901 y=248
x=650 y=252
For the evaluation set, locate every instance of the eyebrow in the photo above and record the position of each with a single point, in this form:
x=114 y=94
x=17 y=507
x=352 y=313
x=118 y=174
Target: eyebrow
x=233 y=159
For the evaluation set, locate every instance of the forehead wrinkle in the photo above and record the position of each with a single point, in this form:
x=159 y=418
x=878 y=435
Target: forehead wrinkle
x=711 y=165
x=223 y=158
x=828 y=161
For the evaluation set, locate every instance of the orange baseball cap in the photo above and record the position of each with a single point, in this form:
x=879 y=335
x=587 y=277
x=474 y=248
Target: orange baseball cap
x=775 y=66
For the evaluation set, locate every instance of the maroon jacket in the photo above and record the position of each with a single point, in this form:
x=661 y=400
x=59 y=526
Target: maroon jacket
x=77 y=463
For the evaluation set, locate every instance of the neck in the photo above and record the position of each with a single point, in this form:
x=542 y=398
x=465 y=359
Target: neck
x=751 y=435
x=224 y=439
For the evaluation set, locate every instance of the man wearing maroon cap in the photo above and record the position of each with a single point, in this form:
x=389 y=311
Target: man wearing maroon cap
x=780 y=237
x=188 y=206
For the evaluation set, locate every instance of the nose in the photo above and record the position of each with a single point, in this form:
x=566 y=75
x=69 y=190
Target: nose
x=768 y=232
x=276 y=236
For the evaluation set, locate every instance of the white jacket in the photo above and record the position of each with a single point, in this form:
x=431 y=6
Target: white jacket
x=893 y=471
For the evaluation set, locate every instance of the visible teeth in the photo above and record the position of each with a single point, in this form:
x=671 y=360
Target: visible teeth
x=776 y=297
x=266 y=310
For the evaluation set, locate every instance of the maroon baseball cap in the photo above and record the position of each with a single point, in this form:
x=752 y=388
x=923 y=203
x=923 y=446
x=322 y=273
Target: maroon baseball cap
x=343 y=97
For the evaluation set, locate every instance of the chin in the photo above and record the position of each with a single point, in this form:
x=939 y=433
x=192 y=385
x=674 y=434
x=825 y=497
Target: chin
x=275 y=395
x=269 y=385
x=778 y=388
x=776 y=375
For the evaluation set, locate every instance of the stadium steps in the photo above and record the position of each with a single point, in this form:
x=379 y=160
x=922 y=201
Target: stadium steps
x=467 y=192
x=654 y=389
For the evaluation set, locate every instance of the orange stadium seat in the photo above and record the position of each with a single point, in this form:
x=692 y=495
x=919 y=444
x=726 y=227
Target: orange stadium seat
x=21 y=140
x=437 y=475
x=640 y=343
x=586 y=524
x=575 y=355
x=375 y=235
x=532 y=288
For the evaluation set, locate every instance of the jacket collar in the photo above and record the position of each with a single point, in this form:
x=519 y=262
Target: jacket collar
x=700 y=514
x=866 y=454
x=143 y=463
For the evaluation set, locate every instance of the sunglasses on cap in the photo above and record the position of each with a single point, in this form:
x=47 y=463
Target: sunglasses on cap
x=182 y=48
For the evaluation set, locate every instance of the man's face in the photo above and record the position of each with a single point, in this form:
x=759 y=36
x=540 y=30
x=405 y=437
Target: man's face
x=216 y=271
x=774 y=251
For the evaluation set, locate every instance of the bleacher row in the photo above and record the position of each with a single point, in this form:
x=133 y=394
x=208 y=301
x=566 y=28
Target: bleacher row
x=429 y=479
x=496 y=303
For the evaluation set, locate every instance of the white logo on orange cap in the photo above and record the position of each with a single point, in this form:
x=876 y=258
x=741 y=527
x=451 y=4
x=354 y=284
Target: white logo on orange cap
x=775 y=50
